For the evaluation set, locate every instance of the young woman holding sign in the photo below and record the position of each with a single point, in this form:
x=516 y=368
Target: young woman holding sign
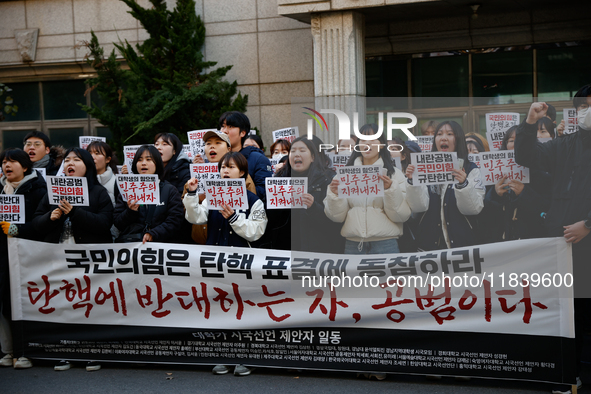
x=456 y=203
x=18 y=178
x=305 y=229
x=81 y=224
x=147 y=223
x=372 y=225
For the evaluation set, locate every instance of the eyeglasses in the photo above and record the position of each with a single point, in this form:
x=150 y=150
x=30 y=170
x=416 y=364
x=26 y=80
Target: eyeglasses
x=35 y=144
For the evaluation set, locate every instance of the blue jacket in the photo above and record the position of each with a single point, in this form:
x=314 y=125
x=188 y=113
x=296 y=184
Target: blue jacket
x=259 y=168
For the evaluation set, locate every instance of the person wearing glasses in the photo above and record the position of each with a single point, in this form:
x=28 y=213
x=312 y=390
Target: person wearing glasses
x=42 y=154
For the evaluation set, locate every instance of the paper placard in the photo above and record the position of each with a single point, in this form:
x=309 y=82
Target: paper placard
x=496 y=125
x=129 y=154
x=434 y=168
x=570 y=120
x=143 y=189
x=42 y=171
x=231 y=192
x=425 y=142
x=338 y=160
x=289 y=134
x=204 y=172
x=74 y=189
x=85 y=140
x=196 y=142
x=187 y=151
x=494 y=165
x=286 y=192
x=12 y=208
x=360 y=181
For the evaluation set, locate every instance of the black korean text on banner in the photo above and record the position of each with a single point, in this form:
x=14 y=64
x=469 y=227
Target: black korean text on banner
x=434 y=168
x=569 y=116
x=360 y=181
x=338 y=159
x=204 y=172
x=476 y=298
x=495 y=165
x=496 y=126
x=230 y=192
x=143 y=189
x=73 y=189
x=85 y=140
x=12 y=208
x=286 y=192
x=196 y=141
x=128 y=155
x=187 y=151
x=289 y=134
x=425 y=142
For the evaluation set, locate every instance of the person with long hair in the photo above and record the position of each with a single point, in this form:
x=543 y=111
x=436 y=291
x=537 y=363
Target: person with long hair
x=449 y=211
x=65 y=223
x=306 y=229
x=255 y=141
x=371 y=224
x=89 y=224
x=520 y=206
x=150 y=223
x=18 y=178
x=106 y=167
x=176 y=163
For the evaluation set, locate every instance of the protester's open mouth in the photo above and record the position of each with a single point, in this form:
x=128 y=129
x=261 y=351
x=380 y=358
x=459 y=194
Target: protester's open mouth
x=8 y=172
x=226 y=176
x=144 y=169
x=212 y=153
x=297 y=161
x=32 y=154
x=71 y=170
x=444 y=147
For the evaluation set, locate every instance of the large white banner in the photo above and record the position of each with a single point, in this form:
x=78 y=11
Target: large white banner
x=518 y=287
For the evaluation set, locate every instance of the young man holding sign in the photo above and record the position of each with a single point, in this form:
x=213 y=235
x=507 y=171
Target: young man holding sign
x=568 y=160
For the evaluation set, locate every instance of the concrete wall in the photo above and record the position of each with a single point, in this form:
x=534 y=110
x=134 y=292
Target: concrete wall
x=272 y=55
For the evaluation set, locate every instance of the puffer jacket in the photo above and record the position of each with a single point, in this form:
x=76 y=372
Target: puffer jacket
x=370 y=219
x=259 y=168
x=180 y=172
x=445 y=222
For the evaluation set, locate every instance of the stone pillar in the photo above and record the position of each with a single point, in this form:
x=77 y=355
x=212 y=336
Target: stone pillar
x=339 y=66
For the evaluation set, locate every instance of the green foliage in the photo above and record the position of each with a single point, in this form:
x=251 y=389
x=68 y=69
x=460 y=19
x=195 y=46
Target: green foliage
x=167 y=86
x=8 y=107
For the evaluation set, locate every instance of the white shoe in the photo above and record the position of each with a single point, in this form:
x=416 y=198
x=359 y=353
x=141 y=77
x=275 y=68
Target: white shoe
x=62 y=366
x=6 y=361
x=92 y=366
x=23 y=363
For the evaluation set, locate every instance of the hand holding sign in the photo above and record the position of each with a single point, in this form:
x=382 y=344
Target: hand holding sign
x=226 y=211
x=65 y=206
x=334 y=186
x=55 y=214
x=459 y=175
x=193 y=184
x=387 y=181
x=500 y=187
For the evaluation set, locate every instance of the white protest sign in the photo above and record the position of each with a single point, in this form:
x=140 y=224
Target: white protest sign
x=274 y=163
x=187 y=151
x=425 y=142
x=230 y=192
x=143 y=189
x=496 y=126
x=128 y=155
x=570 y=120
x=494 y=165
x=85 y=140
x=253 y=132
x=286 y=192
x=196 y=141
x=119 y=168
x=434 y=168
x=42 y=171
x=360 y=181
x=289 y=134
x=338 y=160
x=73 y=189
x=204 y=172
x=12 y=208
x=60 y=171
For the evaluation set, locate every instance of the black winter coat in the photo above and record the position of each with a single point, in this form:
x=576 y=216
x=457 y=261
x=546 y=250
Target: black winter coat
x=166 y=217
x=259 y=168
x=307 y=229
x=90 y=224
x=180 y=173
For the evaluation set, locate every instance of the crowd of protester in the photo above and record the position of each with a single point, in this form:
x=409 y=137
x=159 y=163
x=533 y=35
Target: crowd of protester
x=408 y=218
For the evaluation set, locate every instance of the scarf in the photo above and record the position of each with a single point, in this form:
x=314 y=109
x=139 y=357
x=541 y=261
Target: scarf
x=42 y=163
